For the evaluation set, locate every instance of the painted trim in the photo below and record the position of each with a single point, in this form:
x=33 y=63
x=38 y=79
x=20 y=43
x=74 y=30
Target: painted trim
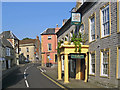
x=93 y=15
x=109 y=19
x=94 y=74
x=108 y=63
x=117 y=62
x=118 y=31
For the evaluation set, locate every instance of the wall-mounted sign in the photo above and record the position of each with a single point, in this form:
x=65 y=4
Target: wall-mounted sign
x=77 y=56
x=75 y=18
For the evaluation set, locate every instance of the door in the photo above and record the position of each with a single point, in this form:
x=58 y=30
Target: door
x=82 y=69
x=72 y=68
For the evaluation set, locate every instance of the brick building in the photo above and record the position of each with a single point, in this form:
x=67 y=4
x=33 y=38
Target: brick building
x=49 y=46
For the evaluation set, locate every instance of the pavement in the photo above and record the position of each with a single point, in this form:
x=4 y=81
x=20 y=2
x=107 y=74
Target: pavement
x=52 y=72
x=29 y=76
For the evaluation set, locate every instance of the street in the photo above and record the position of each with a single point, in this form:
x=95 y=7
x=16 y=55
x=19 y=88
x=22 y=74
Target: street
x=28 y=76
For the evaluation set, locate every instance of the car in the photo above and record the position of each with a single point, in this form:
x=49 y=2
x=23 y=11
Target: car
x=27 y=61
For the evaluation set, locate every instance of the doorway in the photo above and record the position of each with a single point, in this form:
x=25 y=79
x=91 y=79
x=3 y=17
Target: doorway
x=82 y=65
x=72 y=68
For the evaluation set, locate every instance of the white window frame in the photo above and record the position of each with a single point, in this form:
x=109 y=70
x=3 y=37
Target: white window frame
x=102 y=67
x=82 y=28
x=8 y=51
x=48 y=47
x=49 y=37
x=92 y=73
x=105 y=23
x=91 y=29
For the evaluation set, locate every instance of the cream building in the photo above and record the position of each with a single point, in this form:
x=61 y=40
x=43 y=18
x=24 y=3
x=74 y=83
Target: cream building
x=30 y=49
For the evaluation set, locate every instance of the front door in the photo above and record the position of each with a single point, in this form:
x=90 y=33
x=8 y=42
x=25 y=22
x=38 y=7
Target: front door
x=72 y=68
x=82 y=69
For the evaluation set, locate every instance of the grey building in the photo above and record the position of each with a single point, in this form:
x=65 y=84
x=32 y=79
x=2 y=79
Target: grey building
x=100 y=24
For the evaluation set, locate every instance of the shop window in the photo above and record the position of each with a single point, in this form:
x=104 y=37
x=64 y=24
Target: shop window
x=105 y=21
x=104 y=62
x=92 y=63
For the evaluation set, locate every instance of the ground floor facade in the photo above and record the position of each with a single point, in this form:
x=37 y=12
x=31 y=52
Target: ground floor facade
x=49 y=58
x=97 y=66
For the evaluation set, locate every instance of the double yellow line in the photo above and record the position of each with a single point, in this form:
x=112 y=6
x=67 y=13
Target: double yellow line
x=54 y=81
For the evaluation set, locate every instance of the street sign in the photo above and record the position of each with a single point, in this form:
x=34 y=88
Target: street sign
x=75 y=18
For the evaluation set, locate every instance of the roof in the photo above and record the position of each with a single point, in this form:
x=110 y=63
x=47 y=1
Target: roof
x=49 y=31
x=6 y=43
x=68 y=22
x=8 y=35
x=27 y=41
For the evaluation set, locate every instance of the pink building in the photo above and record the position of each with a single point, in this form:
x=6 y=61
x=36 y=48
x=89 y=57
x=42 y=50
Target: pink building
x=49 y=46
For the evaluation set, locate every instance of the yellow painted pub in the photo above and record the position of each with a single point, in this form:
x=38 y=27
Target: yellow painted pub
x=75 y=63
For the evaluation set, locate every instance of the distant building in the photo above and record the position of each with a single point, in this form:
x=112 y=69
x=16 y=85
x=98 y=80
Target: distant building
x=30 y=49
x=49 y=46
x=9 y=47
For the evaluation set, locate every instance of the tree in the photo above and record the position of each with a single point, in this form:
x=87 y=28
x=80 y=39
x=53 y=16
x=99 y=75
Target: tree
x=26 y=38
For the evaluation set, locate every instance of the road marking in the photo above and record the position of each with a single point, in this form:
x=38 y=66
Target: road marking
x=26 y=83
x=53 y=80
x=41 y=70
x=24 y=73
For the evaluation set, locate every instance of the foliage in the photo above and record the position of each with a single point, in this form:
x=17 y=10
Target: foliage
x=58 y=47
x=76 y=39
x=26 y=38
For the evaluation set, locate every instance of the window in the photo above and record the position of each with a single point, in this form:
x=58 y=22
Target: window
x=7 y=51
x=27 y=57
x=104 y=62
x=82 y=28
x=92 y=28
x=105 y=21
x=19 y=49
x=92 y=63
x=49 y=37
x=27 y=49
x=118 y=64
x=71 y=34
x=49 y=47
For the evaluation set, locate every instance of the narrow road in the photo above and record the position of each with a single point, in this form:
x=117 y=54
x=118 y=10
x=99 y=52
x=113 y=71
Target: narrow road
x=27 y=76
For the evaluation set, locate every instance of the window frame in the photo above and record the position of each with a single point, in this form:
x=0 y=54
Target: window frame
x=90 y=66
x=117 y=66
x=49 y=37
x=8 y=51
x=89 y=21
x=48 y=46
x=101 y=26
x=27 y=49
x=101 y=65
x=118 y=15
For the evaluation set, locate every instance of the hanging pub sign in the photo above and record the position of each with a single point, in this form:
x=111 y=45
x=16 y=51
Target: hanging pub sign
x=75 y=18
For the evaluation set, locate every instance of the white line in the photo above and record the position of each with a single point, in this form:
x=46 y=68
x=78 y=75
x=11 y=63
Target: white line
x=26 y=83
x=24 y=73
x=41 y=70
x=24 y=77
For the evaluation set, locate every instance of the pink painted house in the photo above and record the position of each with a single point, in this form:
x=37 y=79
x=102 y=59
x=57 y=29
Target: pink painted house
x=49 y=46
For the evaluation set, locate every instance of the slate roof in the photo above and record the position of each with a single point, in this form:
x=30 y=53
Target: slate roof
x=6 y=43
x=8 y=35
x=49 y=31
x=27 y=41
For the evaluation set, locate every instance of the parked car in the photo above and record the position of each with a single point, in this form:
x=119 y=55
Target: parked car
x=27 y=61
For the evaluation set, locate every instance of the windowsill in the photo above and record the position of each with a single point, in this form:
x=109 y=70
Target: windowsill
x=104 y=76
x=105 y=36
x=92 y=74
x=118 y=32
x=92 y=41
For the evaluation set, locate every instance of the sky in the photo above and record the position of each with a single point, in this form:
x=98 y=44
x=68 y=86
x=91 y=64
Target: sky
x=29 y=19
